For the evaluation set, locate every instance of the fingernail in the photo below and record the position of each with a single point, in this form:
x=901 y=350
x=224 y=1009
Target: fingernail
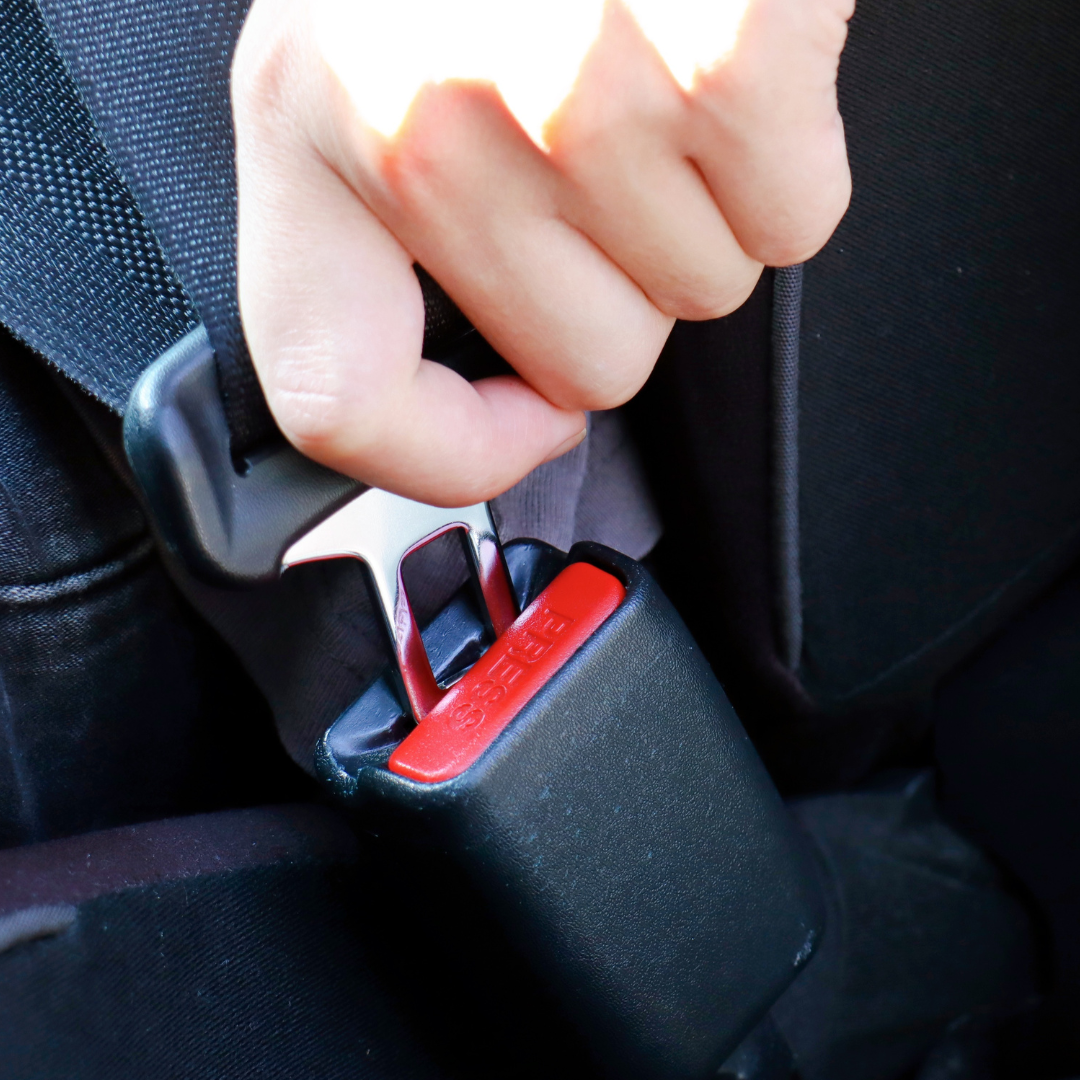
x=567 y=446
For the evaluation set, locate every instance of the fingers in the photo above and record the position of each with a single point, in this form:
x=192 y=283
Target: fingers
x=649 y=202
x=334 y=318
x=478 y=205
x=687 y=194
x=768 y=138
x=758 y=138
x=621 y=138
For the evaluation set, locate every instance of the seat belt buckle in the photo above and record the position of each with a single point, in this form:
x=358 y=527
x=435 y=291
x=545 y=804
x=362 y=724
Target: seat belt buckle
x=586 y=775
x=592 y=783
x=382 y=530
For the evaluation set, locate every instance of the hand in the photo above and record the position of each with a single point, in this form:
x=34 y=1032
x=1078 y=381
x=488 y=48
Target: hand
x=645 y=203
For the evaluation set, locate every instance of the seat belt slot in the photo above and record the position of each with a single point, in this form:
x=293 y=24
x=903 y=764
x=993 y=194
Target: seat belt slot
x=228 y=527
x=382 y=530
x=470 y=716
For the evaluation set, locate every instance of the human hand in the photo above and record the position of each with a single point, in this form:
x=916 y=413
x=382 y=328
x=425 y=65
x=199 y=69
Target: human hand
x=644 y=201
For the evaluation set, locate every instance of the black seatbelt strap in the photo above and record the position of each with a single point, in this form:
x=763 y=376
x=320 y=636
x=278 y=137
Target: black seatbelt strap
x=141 y=87
x=83 y=280
x=156 y=78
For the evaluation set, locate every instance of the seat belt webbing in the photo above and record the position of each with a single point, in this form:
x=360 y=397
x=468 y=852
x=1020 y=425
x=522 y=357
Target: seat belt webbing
x=155 y=78
x=83 y=280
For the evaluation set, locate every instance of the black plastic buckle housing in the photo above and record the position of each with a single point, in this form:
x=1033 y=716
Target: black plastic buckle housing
x=626 y=836
x=227 y=527
x=622 y=828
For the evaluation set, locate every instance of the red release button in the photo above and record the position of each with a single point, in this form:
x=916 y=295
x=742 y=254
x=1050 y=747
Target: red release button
x=473 y=712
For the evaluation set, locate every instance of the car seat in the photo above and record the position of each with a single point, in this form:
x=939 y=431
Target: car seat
x=867 y=480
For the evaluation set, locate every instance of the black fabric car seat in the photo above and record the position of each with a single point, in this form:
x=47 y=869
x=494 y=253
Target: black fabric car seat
x=838 y=569
x=162 y=949
x=938 y=446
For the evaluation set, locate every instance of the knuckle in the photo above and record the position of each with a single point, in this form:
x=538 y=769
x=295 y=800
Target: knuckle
x=428 y=144
x=796 y=246
x=596 y=392
x=615 y=382
x=803 y=227
x=704 y=299
x=265 y=67
x=788 y=253
x=313 y=409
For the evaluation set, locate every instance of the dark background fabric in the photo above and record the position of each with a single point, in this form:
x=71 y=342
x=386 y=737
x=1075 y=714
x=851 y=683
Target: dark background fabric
x=75 y=869
x=702 y=422
x=117 y=702
x=940 y=391
x=268 y=942
x=939 y=438
x=1007 y=743
x=703 y=425
x=232 y=945
x=920 y=932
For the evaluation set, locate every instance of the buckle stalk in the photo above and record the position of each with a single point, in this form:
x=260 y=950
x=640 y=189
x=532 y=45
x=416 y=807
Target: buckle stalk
x=382 y=530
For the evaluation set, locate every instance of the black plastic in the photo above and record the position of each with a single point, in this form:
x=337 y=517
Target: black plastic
x=763 y=1055
x=228 y=527
x=626 y=836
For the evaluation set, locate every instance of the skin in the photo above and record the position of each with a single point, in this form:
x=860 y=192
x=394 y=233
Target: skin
x=649 y=203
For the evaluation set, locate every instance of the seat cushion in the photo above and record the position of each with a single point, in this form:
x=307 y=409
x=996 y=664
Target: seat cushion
x=221 y=945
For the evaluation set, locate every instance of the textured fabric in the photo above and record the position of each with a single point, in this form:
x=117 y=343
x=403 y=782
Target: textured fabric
x=920 y=932
x=444 y=322
x=940 y=389
x=116 y=703
x=939 y=396
x=1007 y=741
x=62 y=512
x=703 y=425
x=614 y=504
x=230 y=946
x=595 y=492
x=80 y=868
x=82 y=278
x=787 y=576
x=156 y=78
x=261 y=944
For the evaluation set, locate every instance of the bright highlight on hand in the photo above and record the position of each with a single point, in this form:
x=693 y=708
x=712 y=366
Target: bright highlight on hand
x=576 y=174
x=384 y=51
